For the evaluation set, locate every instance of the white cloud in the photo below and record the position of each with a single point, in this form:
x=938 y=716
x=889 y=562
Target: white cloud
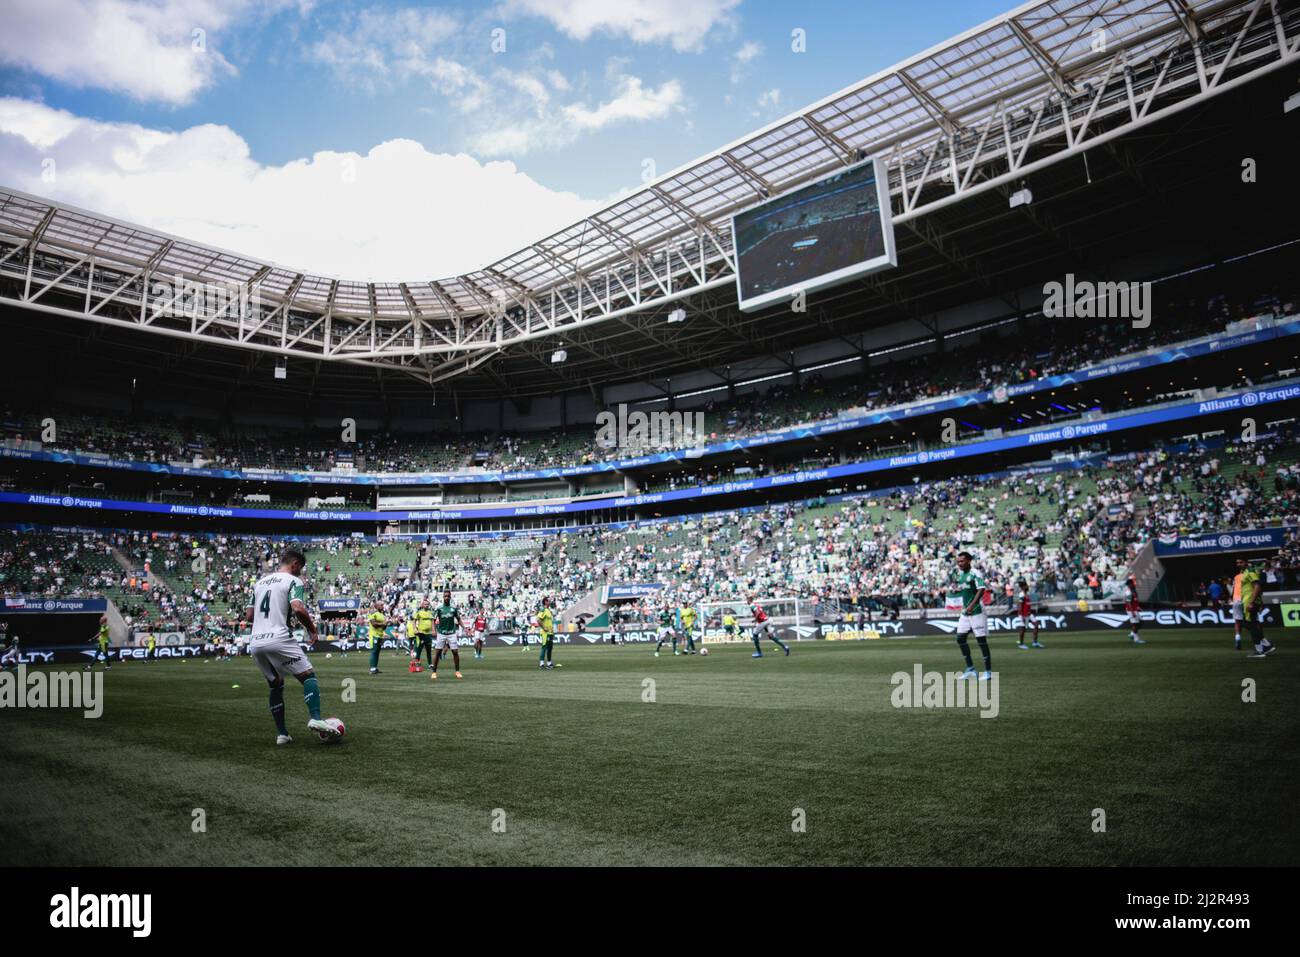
x=146 y=50
x=406 y=214
x=380 y=43
x=683 y=23
x=743 y=57
x=514 y=112
x=770 y=99
x=633 y=101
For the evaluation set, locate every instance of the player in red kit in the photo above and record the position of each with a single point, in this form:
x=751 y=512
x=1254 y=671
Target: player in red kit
x=480 y=629
x=762 y=626
x=1134 y=609
x=1025 y=609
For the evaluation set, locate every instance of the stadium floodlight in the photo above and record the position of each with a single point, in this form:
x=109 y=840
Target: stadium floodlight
x=1291 y=103
x=1021 y=197
x=558 y=356
x=281 y=372
x=677 y=315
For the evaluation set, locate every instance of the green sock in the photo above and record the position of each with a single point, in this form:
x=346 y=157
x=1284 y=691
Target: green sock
x=374 y=657
x=311 y=695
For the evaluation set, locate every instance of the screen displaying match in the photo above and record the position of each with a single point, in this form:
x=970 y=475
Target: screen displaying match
x=830 y=231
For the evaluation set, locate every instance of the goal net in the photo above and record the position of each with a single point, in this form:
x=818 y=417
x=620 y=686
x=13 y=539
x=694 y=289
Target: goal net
x=783 y=613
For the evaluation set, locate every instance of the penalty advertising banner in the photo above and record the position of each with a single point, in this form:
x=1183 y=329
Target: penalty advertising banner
x=1049 y=622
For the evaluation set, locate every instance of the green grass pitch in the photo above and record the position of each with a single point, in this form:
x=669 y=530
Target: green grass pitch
x=711 y=772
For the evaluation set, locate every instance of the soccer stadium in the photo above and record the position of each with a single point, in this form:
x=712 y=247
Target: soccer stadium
x=972 y=539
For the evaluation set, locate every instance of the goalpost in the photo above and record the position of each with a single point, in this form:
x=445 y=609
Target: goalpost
x=784 y=613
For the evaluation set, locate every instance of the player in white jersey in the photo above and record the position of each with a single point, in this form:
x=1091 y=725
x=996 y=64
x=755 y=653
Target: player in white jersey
x=278 y=599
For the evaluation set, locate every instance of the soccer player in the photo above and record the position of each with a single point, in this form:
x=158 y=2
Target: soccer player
x=448 y=629
x=1238 y=610
x=1252 y=602
x=546 y=624
x=410 y=634
x=378 y=624
x=10 y=659
x=762 y=626
x=424 y=633
x=101 y=640
x=688 y=627
x=151 y=647
x=1026 y=615
x=1134 y=609
x=729 y=625
x=665 y=629
x=277 y=600
x=972 y=588
x=480 y=629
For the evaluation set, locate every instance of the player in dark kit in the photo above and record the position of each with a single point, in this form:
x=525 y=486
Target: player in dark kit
x=665 y=630
x=1134 y=609
x=1026 y=612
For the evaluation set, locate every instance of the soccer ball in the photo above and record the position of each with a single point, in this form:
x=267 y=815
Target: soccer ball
x=704 y=651
x=329 y=654
x=339 y=731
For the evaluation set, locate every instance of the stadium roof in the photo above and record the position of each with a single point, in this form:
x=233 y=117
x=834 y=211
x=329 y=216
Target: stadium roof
x=1012 y=96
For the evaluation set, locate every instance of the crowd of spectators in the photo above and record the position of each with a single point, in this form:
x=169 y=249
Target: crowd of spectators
x=968 y=363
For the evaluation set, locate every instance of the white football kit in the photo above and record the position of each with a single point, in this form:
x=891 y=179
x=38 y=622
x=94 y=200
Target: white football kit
x=272 y=644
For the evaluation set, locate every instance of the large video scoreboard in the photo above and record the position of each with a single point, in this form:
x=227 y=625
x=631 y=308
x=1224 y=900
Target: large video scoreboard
x=819 y=235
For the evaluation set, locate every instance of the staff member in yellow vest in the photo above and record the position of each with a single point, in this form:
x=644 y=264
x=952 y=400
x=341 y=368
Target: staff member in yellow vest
x=424 y=631
x=546 y=625
x=1252 y=603
x=377 y=622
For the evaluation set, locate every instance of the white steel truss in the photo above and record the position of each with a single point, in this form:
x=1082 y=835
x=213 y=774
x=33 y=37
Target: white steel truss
x=1043 y=82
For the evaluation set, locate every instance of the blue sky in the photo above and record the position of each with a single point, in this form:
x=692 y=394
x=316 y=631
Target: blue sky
x=334 y=135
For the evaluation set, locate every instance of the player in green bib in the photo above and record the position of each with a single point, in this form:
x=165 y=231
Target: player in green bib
x=377 y=623
x=447 y=624
x=546 y=625
x=101 y=640
x=424 y=632
x=1252 y=607
x=970 y=587
x=688 y=627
